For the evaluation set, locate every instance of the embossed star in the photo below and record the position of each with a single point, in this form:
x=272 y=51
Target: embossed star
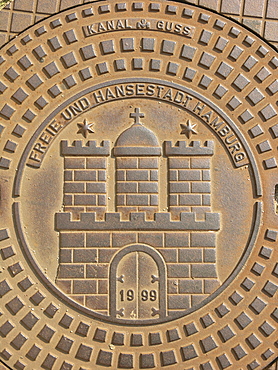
x=188 y=129
x=85 y=128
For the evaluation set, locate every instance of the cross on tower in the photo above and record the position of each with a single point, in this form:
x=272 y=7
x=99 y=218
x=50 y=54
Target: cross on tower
x=137 y=115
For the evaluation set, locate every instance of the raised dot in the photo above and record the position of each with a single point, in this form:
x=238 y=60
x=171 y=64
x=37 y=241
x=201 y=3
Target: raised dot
x=172 y=68
x=33 y=352
x=238 y=352
x=221 y=44
x=249 y=41
x=54 y=43
x=223 y=361
x=87 y=52
x=188 y=352
x=51 y=69
x=6 y=328
x=247 y=284
x=5 y=163
x=69 y=60
x=234 y=32
x=234 y=103
x=100 y=335
x=189 y=74
x=102 y=68
x=236 y=53
x=64 y=345
x=104 y=358
x=37 y=298
x=205 y=81
x=206 y=60
x=226 y=333
x=168 y=358
x=104 y=9
x=127 y=44
x=188 y=52
x=71 y=17
x=204 y=17
x=85 y=74
x=125 y=361
x=7 y=111
x=146 y=361
x=15 y=305
x=19 y=96
x=137 y=6
x=155 y=64
x=18 y=341
x=29 y=321
x=55 y=23
x=235 y=298
x=41 y=102
x=207 y=320
x=12 y=50
x=220 y=91
x=69 y=81
x=270 y=288
x=137 y=63
x=224 y=69
x=268 y=112
x=253 y=341
x=82 y=329
x=148 y=44
x=154 y=339
x=40 y=31
x=222 y=310
x=262 y=51
x=273 y=87
x=171 y=9
x=241 y=82
x=87 y=12
x=25 y=284
x=120 y=7
x=257 y=305
x=25 y=62
x=172 y=335
x=188 y=12
x=8 y=252
x=118 y=339
x=246 y=116
x=266 y=329
x=219 y=24
x=208 y=344
x=49 y=362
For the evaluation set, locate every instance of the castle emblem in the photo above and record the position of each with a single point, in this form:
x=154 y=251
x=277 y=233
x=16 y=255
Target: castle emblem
x=136 y=260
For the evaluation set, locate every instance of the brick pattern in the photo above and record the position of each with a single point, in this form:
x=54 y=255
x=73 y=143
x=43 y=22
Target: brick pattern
x=137 y=185
x=85 y=259
x=189 y=185
x=85 y=185
x=261 y=15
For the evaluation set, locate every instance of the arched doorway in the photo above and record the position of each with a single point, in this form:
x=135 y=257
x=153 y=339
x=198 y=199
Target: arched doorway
x=138 y=284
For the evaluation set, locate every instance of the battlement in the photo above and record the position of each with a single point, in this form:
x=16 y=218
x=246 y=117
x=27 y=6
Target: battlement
x=193 y=149
x=137 y=221
x=89 y=149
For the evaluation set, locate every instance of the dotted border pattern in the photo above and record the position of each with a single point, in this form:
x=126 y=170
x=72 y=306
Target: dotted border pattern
x=104 y=358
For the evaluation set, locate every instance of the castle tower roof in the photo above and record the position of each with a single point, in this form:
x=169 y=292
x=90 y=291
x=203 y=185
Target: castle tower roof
x=137 y=140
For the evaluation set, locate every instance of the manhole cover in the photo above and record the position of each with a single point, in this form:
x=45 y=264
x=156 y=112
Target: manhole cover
x=139 y=191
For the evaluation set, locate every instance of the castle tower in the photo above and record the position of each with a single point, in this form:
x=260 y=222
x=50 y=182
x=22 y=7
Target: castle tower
x=85 y=177
x=189 y=177
x=137 y=151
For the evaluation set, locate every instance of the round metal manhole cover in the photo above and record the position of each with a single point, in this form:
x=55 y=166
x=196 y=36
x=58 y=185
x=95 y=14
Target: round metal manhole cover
x=139 y=191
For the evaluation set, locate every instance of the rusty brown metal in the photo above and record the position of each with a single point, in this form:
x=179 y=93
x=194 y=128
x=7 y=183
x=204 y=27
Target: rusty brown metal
x=139 y=191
